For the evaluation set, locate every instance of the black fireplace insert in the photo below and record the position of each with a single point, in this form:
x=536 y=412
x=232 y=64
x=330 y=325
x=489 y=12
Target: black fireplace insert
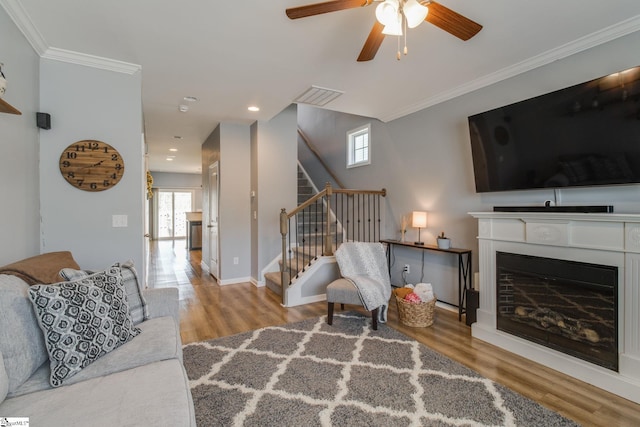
x=565 y=305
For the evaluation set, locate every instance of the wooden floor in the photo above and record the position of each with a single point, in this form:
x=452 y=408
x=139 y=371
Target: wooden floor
x=210 y=311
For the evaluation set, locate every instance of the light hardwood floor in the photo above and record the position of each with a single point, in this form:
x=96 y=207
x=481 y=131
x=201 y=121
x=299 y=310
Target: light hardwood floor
x=208 y=311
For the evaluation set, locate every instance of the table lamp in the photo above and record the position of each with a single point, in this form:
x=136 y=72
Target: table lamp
x=419 y=220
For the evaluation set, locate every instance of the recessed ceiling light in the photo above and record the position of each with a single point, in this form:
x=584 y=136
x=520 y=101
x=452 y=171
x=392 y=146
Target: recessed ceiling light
x=183 y=108
x=173 y=149
x=170 y=159
x=253 y=108
x=190 y=98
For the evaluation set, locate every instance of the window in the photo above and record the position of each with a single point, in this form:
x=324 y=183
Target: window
x=358 y=146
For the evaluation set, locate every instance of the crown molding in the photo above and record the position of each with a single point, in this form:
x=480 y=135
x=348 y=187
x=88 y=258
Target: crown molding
x=90 y=61
x=21 y=18
x=605 y=35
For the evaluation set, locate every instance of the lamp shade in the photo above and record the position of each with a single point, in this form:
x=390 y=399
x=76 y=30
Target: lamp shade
x=415 y=13
x=387 y=12
x=419 y=219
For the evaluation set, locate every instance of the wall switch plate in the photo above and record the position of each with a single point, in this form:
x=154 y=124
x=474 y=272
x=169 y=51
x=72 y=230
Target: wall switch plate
x=118 y=220
x=236 y=260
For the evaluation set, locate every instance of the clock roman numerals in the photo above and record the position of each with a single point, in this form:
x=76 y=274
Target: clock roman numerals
x=91 y=165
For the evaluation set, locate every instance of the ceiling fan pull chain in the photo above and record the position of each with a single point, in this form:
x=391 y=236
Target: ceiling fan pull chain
x=398 y=56
x=405 y=35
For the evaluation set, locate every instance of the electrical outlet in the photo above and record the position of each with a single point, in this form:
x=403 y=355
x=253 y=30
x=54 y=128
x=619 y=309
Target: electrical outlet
x=407 y=269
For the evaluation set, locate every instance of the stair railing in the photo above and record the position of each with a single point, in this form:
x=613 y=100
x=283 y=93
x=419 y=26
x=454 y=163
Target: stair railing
x=323 y=222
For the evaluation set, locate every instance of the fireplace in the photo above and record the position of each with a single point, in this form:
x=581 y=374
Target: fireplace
x=564 y=305
x=563 y=289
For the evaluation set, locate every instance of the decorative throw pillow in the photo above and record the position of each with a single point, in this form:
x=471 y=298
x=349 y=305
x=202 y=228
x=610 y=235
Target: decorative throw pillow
x=135 y=299
x=82 y=321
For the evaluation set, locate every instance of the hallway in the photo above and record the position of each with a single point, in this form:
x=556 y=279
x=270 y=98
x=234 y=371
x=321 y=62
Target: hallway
x=208 y=310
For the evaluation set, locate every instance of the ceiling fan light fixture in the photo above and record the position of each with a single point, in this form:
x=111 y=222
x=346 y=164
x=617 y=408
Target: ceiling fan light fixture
x=387 y=12
x=415 y=13
x=394 y=27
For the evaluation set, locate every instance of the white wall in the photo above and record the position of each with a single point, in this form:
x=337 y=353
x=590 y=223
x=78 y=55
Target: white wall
x=90 y=103
x=274 y=169
x=424 y=159
x=19 y=174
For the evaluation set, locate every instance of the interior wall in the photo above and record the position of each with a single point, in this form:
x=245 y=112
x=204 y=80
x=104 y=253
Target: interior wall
x=274 y=146
x=19 y=173
x=424 y=160
x=235 y=209
x=90 y=103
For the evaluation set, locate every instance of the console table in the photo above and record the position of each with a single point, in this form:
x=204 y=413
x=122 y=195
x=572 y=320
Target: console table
x=465 y=279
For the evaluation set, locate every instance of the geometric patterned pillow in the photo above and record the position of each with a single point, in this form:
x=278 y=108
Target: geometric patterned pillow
x=135 y=299
x=82 y=321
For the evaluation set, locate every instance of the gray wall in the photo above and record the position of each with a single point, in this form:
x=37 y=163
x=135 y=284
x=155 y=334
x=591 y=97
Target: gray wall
x=273 y=169
x=19 y=174
x=90 y=103
x=235 y=215
x=424 y=159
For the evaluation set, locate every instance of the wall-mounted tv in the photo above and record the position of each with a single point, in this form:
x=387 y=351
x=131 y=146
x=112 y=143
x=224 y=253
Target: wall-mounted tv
x=584 y=135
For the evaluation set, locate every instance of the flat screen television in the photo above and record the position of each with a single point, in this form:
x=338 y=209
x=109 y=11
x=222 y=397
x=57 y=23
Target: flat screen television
x=584 y=135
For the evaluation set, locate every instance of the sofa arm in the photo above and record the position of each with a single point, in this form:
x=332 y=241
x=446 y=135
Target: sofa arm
x=163 y=302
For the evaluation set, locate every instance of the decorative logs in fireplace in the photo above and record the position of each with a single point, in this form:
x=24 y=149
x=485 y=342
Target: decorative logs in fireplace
x=565 y=305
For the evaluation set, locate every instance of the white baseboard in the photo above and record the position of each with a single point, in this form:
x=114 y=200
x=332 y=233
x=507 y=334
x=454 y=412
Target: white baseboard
x=235 y=280
x=258 y=283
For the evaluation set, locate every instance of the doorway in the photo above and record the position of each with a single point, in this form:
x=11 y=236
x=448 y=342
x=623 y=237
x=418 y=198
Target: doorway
x=171 y=209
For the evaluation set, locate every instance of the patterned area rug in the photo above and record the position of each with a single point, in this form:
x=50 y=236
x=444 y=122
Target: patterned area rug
x=312 y=374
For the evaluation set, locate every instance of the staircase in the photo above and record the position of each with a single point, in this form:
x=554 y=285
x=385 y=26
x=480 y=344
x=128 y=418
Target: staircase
x=309 y=241
x=311 y=233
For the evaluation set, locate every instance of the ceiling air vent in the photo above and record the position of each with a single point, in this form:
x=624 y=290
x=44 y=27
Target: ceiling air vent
x=318 y=96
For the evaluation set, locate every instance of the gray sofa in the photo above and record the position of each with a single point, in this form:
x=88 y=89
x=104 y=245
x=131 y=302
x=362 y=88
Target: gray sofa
x=140 y=383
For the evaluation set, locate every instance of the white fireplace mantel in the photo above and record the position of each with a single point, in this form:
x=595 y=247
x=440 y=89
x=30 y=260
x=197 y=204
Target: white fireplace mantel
x=607 y=239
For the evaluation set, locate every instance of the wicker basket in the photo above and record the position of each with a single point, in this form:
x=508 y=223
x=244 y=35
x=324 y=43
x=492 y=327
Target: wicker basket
x=416 y=315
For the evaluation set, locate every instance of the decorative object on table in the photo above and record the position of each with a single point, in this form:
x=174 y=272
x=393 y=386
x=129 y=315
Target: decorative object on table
x=419 y=220
x=416 y=305
x=443 y=242
x=3 y=81
x=263 y=377
x=91 y=165
x=403 y=227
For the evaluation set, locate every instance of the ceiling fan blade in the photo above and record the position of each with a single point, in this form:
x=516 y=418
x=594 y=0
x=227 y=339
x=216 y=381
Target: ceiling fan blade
x=325 y=7
x=372 y=44
x=450 y=21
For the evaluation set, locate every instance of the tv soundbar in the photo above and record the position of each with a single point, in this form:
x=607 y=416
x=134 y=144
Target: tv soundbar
x=580 y=209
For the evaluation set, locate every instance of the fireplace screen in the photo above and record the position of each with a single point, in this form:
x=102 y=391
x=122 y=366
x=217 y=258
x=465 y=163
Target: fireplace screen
x=565 y=305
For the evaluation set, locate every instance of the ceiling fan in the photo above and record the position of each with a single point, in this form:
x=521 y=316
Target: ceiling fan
x=399 y=11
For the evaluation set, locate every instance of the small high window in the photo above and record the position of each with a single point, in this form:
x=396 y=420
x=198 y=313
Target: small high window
x=358 y=146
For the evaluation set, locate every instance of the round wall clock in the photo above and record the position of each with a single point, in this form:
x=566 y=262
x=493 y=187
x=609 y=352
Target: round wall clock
x=91 y=165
